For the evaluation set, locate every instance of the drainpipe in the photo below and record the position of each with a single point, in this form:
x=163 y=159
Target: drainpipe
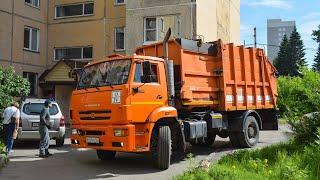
x=169 y=68
x=12 y=29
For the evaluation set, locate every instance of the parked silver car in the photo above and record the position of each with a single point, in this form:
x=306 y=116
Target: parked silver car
x=30 y=119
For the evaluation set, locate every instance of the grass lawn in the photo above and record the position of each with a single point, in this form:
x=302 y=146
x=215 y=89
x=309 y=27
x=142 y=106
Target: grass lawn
x=282 y=161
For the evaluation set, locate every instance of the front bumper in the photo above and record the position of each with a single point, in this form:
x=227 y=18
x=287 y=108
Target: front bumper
x=34 y=135
x=107 y=139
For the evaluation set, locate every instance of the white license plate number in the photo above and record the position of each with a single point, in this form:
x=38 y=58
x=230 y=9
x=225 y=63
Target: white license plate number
x=93 y=140
x=35 y=124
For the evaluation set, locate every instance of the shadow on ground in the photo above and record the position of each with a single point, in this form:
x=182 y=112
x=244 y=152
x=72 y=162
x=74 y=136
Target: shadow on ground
x=84 y=164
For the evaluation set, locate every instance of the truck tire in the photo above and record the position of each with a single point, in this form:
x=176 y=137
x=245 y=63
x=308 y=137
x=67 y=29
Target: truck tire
x=208 y=141
x=106 y=155
x=60 y=142
x=164 y=147
x=249 y=137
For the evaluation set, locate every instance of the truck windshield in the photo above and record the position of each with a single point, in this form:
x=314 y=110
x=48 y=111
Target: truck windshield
x=105 y=74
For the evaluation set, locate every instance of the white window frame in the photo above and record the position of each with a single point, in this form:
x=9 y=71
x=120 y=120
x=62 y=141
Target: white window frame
x=145 y=30
x=117 y=3
x=115 y=39
x=32 y=4
x=30 y=38
x=83 y=15
x=81 y=59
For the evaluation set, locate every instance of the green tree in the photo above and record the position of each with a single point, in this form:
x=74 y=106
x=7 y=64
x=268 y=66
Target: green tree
x=316 y=37
x=296 y=53
x=282 y=62
x=11 y=85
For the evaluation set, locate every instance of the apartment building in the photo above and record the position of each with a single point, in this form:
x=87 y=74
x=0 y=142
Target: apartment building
x=276 y=30
x=148 y=20
x=45 y=39
x=23 y=38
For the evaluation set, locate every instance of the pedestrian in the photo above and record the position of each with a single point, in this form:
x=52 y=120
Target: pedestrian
x=11 y=117
x=44 y=127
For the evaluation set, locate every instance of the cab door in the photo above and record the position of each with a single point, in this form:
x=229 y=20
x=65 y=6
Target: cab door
x=146 y=97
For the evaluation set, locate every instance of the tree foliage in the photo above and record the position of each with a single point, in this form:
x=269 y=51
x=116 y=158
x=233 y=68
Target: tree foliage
x=291 y=56
x=281 y=62
x=316 y=37
x=11 y=85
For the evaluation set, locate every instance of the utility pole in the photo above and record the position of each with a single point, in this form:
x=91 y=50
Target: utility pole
x=255 y=37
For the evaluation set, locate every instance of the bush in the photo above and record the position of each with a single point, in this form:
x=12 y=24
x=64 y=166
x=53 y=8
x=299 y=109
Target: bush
x=305 y=128
x=11 y=85
x=299 y=95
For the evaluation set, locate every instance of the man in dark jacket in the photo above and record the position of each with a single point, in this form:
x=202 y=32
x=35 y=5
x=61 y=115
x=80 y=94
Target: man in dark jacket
x=44 y=127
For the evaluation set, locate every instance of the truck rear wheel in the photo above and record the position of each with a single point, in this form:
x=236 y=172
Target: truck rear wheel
x=106 y=155
x=249 y=137
x=164 y=147
x=208 y=141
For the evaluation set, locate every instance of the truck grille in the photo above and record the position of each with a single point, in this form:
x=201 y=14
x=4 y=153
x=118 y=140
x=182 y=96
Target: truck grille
x=95 y=115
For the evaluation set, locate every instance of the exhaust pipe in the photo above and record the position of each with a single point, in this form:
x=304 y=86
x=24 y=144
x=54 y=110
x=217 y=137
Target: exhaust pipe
x=169 y=69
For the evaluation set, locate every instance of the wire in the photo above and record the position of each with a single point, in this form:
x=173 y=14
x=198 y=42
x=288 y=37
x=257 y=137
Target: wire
x=310 y=49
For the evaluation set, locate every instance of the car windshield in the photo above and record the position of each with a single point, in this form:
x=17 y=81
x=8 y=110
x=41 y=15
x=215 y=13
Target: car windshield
x=105 y=74
x=36 y=108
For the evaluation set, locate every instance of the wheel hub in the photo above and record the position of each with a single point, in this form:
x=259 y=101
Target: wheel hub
x=251 y=132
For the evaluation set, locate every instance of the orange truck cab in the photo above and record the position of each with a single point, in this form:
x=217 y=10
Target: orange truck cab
x=172 y=93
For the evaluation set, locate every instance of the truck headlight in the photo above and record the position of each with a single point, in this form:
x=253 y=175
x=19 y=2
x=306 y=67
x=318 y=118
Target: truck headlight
x=120 y=132
x=75 y=132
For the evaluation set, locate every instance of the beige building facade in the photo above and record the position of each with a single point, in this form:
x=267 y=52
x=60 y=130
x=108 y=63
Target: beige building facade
x=148 y=20
x=23 y=38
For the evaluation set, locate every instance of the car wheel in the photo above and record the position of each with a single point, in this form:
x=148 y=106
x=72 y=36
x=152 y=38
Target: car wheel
x=60 y=142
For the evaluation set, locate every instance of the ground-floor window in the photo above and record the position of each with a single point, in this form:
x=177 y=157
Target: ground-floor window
x=33 y=80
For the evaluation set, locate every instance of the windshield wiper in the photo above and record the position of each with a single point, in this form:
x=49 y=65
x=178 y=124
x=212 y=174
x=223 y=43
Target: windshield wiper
x=94 y=86
x=109 y=84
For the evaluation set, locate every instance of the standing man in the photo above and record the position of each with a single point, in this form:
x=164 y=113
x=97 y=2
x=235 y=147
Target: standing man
x=11 y=116
x=44 y=127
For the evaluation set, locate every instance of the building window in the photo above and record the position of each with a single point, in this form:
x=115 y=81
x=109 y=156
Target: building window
x=119 y=2
x=75 y=53
x=35 y=3
x=119 y=39
x=31 y=39
x=74 y=10
x=33 y=80
x=150 y=29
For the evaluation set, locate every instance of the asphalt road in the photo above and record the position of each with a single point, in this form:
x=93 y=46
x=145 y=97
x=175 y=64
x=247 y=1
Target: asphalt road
x=69 y=164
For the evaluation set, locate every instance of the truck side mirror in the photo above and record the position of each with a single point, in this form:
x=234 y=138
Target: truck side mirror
x=146 y=77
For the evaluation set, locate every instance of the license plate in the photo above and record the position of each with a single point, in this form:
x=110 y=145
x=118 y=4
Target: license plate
x=93 y=140
x=35 y=124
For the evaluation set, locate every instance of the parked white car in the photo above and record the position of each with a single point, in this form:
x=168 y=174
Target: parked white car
x=30 y=119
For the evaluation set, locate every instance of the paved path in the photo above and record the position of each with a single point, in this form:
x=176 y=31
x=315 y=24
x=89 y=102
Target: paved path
x=69 y=164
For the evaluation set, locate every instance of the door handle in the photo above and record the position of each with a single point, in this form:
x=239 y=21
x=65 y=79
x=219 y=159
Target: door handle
x=159 y=97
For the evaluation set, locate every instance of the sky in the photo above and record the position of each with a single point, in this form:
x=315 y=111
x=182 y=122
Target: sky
x=254 y=13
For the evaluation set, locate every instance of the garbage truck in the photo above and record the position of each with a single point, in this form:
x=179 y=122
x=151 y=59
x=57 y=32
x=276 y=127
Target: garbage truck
x=171 y=94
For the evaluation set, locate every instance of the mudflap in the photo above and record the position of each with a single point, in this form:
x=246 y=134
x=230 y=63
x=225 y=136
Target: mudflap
x=269 y=119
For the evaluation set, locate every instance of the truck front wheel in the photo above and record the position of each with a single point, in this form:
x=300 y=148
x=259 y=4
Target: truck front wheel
x=164 y=147
x=249 y=137
x=106 y=155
